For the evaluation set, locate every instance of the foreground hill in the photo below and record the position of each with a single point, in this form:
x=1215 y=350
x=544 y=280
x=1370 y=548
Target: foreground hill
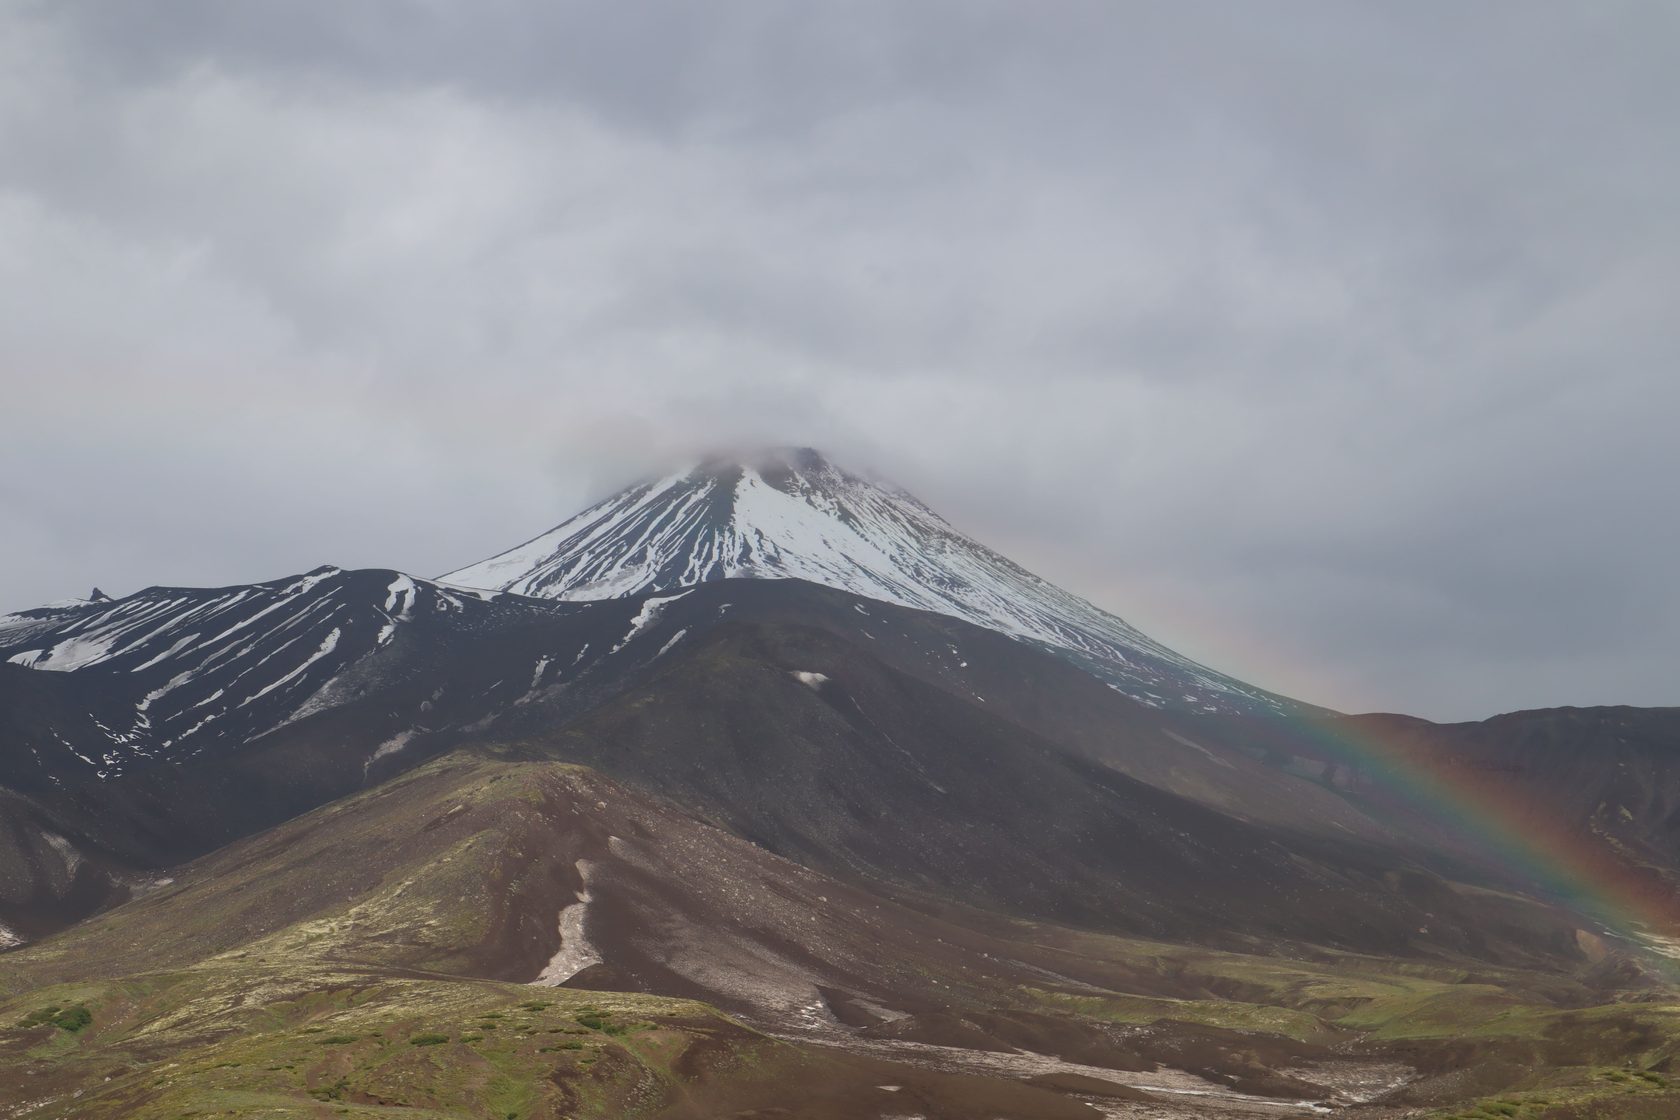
x=395 y=954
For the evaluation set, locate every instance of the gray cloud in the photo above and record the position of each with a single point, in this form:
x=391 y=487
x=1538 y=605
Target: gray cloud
x=1331 y=342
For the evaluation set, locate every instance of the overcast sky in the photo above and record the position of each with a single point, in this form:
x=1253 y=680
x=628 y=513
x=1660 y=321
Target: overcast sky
x=1333 y=343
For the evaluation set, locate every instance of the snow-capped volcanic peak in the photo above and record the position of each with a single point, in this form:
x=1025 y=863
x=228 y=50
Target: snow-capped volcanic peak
x=792 y=514
x=788 y=515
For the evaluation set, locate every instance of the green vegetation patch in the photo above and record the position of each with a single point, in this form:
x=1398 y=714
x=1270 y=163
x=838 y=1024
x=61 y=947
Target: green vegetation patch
x=1635 y=1094
x=73 y=1019
x=1230 y=1014
x=241 y=1036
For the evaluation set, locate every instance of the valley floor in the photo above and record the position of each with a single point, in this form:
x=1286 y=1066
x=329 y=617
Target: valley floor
x=234 y=1037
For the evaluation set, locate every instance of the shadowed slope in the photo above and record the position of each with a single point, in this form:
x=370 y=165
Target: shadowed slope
x=856 y=768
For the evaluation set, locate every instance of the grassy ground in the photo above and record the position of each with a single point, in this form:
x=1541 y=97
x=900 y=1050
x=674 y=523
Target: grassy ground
x=226 y=1037
x=232 y=1039
x=1597 y=1094
x=1516 y=1044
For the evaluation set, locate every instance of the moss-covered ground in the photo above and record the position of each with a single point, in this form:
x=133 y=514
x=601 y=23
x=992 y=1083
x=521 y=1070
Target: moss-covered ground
x=228 y=1039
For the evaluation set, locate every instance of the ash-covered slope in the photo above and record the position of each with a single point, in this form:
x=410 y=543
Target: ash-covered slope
x=792 y=514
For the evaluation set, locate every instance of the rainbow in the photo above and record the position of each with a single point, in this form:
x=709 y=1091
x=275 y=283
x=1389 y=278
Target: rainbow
x=1489 y=815
x=1494 y=818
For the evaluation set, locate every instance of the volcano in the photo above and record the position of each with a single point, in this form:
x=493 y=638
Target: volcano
x=759 y=789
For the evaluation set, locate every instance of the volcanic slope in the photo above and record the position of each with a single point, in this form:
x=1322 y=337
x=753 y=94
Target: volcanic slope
x=373 y=957
x=792 y=514
x=139 y=732
x=400 y=949
x=816 y=748
x=850 y=735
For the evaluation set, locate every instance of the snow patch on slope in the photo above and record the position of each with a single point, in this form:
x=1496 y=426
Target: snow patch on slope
x=645 y=617
x=70 y=654
x=575 y=953
x=66 y=852
x=328 y=644
x=389 y=747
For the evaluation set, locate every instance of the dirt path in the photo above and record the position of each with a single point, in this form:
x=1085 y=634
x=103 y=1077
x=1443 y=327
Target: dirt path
x=1182 y=1095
